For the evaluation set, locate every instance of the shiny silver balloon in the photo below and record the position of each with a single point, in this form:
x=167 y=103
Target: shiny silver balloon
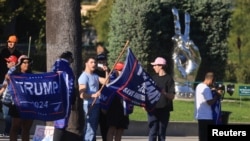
x=186 y=58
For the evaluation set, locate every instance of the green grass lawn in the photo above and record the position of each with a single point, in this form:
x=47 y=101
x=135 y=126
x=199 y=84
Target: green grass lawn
x=184 y=109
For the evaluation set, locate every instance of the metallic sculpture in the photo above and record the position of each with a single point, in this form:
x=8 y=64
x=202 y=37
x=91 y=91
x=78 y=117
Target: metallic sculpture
x=186 y=58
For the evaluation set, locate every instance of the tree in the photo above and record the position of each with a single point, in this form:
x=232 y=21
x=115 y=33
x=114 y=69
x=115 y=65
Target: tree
x=25 y=18
x=133 y=21
x=238 y=62
x=63 y=33
x=100 y=19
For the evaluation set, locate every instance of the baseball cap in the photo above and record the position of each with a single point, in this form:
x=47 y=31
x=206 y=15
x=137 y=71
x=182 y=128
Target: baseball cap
x=12 y=58
x=119 y=66
x=12 y=38
x=23 y=57
x=159 y=61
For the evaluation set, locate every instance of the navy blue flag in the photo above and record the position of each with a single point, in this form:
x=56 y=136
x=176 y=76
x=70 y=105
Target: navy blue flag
x=41 y=96
x=134 y=85
x=216 y=109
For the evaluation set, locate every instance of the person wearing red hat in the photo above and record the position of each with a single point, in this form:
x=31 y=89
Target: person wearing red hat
x=9 y=50
x=11 y=62
x=119 y=121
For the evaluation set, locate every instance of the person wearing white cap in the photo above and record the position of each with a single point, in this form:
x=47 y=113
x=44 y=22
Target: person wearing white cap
x=23 y=66
x=158 y=119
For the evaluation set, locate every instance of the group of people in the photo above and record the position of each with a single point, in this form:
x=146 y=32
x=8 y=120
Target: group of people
x=13 y=62
x=112 y=121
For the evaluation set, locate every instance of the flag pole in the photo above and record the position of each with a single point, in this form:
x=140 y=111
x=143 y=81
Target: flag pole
x=117 y=60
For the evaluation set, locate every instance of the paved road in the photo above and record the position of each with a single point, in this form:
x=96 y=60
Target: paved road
x=140 y=138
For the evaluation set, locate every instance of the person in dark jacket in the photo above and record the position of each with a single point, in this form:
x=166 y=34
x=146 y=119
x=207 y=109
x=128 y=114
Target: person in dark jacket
x=6 y=52
x=102 y=61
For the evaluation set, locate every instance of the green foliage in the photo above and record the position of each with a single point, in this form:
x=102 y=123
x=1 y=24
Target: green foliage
x=238 y=57
x=210 y=24
x=100 y=19
x=184 y=108
x=28 y=18
x=149 y=27
x=184 y=111
x=133 y=21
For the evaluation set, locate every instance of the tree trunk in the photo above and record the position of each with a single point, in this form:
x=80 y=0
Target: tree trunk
x=63 y=33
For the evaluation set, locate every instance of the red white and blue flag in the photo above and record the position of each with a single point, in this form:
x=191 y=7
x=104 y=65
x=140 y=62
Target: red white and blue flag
x=134 y=85
x=41 y=96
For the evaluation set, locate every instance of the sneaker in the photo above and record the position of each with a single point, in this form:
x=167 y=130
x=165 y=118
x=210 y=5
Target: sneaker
x=4 y=135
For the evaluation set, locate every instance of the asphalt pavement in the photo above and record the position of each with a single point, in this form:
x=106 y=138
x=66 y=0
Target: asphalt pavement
x=137 y=138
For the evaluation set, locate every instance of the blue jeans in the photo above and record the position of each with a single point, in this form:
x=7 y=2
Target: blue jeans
x=7 y=119
x=91 y=121
x=158 y=122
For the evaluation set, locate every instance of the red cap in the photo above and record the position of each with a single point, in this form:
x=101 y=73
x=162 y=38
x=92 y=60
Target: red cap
x=12 y=58
x=119 y=66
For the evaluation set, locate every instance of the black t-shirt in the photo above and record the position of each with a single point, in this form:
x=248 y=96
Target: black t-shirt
x=165 y=82
x=100 y=73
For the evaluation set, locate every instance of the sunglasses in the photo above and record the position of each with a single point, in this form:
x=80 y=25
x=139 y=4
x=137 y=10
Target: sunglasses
x=26 y=62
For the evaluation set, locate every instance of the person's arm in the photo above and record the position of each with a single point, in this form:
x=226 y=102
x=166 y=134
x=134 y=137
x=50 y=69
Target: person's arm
x=84 y=95
x=215 y=98
x=2 y=90
x=170 y=96
x=4 y=85
x=171 y=90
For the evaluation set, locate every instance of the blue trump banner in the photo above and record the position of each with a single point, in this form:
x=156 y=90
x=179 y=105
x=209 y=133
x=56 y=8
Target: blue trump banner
x=41 y=96
x=134 y=85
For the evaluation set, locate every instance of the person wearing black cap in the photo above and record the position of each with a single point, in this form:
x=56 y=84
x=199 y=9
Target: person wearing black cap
x=63 y=64
x=102 y=61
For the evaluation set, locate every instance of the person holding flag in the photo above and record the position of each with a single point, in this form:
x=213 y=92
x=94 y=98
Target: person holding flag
x=11 y=63
x=63 y=64
x=89 y=91
x=23 y=66
x=158 y=119
x=204 y=100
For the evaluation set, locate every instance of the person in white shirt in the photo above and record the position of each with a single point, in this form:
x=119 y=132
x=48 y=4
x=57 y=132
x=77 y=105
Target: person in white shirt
x=203 y=102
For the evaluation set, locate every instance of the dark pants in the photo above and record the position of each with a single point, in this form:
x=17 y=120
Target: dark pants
x=103 y=125
x=64 y=135
x=158 y=122
x=59 y=135
x=7 y=119
x=203 y=129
